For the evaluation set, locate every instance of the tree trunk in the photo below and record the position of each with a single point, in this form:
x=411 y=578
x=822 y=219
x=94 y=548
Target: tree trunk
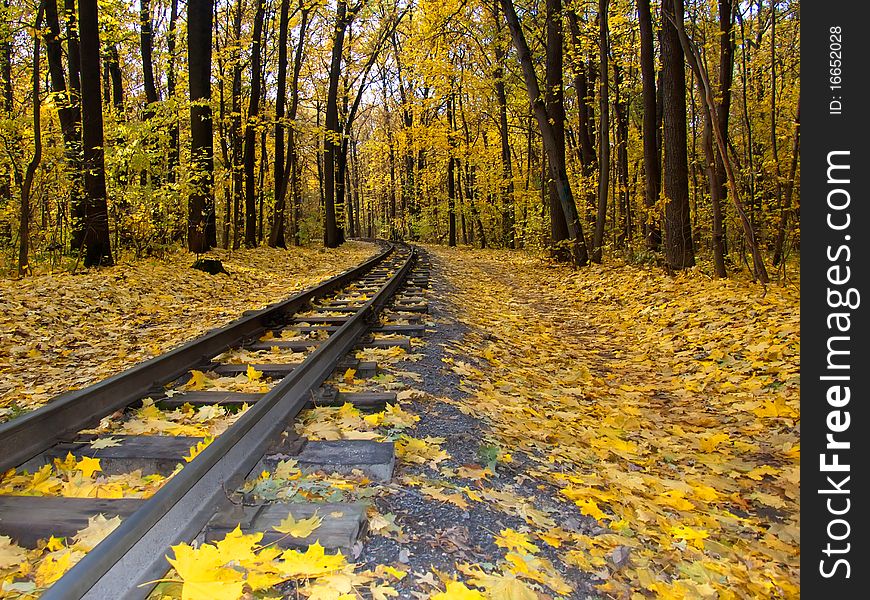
x=96 y=235
x=651 y=155
x=555 y=107
x=67 y=103
x=603 y=132
x=507 y=184
x=78 y=217
x=557 y=167
x=679 y=252
x=201 y=231
x=145 y=34
x=276 y=235
x=27 y=184
x=451 y=176
x=723 y=109
x=174 y=149
x=6 y=37
x=759 y=270
x=789 y=188
x=295 y=179
x=236 y=128
x=250 y=128
x=334 y=235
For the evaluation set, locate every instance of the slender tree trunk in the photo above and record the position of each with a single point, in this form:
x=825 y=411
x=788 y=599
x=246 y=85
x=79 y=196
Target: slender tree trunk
x=201 y=232
x=276 y=235
x=651 y=155
x=96 y=239
x=6 y=37
x=451 y=176
x=789 y=188
x=250 y=129
x=292 y=152
x=603 y=131
x=236 y=135
x=27 y=184
x=174 y=157
x=726 y=79
x=507 y=184
x=679 y=251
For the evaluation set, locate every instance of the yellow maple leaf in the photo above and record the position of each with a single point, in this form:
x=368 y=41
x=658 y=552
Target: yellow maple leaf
x=298 y=529
x=382 y=591
x=457 y=591
x=197 y=381
x=314 y=562
x=88 y=466
x=710 y=443
x=253 y=374
x=349 y=375
x=589 y=507
x=98 y=528
x=695 y=537
x=514 y=540
x=52 y=567
x=204 y=575
x=194 y=451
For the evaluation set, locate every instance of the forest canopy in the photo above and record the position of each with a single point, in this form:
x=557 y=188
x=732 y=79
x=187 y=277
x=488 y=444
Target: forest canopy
x=660 y=133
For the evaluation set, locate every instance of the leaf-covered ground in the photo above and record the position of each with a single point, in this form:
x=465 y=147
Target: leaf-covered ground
x=665 y=408
x=604 y=433
x=61 y=332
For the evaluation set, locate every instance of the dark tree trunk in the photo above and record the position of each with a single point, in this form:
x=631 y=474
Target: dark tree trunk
x=292 y=153
x=556 y=110
x=789 y=189
x=236 y=128
x=96 y=235
x=8 y=100
x=603 y=132
x=113 y=65
x=588 y=157
x=679 y=252
x=651 y=154
x=726 y=80
x=78 y=208
x=201 y=230
x=146 y=45
x=67 y=102
x=27 y=184
x=174 y=149
x=507 y=184
x=334 y=235
x=276 y=235
x=451 y=176
x=551 y=139
x=620 y=114
x=250 y=128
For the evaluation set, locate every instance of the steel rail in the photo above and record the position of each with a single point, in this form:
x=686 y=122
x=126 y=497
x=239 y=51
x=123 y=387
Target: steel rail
x=28 y=435
x=133 y=554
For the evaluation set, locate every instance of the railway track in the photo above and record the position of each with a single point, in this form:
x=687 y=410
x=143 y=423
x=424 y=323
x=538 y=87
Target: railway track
x=320 y=326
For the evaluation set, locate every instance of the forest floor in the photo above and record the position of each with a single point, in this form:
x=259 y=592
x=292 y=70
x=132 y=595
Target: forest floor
x=60 y=332
x=664 y=410
x=609 y=432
